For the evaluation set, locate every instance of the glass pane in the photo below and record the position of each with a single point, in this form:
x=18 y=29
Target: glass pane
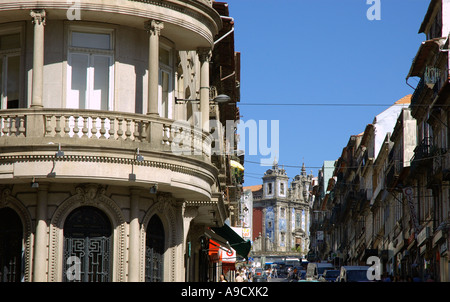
x=164 y=56
x=164 y=94
x=78 y=84
x=91 y=40
x=12 y=87
x=100 y=93
x=10 y=246
x=9 y=41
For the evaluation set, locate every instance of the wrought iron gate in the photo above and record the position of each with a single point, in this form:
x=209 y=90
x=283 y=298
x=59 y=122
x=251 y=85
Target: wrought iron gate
x=87 y=246
x=9 y=268
x=154 y=251
x=90 y=256
x=153 y=265
x=10 y=246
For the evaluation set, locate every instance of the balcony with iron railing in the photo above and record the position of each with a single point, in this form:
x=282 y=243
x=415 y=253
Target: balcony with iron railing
x=440 y=160
x=415 y=98
x=393 y=172
x=422 y=154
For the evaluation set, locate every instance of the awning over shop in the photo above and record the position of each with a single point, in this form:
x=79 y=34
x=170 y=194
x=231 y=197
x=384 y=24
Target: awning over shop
x=236 y=165
x=227 y=234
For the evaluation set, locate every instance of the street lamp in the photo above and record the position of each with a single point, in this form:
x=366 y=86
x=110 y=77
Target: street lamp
x=220 y=99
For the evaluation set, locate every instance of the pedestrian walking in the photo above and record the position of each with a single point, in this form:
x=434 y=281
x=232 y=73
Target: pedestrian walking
x=239 y=278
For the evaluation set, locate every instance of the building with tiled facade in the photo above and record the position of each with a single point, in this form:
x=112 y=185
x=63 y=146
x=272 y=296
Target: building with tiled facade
x=281 y=213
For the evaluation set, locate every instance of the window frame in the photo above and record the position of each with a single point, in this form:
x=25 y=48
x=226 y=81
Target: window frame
x=169 y=69
x=91 y=53
x=13 y=52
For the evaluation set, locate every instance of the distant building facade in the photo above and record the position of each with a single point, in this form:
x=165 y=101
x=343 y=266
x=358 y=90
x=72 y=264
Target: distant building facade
x=281 y=213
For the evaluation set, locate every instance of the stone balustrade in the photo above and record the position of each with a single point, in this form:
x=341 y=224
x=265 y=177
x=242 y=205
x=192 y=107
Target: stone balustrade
x=74 y=126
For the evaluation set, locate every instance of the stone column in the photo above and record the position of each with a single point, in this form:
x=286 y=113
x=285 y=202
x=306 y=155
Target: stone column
x=188 y=214
x=154 y=29
x=134 y=242
x=38 y=58
x=204 y=56
x=40 y=237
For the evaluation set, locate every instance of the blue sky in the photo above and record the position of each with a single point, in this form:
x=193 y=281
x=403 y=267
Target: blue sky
x=320 y=52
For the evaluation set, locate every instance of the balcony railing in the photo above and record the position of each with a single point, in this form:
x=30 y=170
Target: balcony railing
x=422 y=153
x=440 y=160
x=417 y=92
x=79 y=126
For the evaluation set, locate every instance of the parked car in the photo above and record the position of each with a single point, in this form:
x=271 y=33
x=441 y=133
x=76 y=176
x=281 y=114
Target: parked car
x=260 y=275
x=354 y=274
x=316 y=269
x=329 y=275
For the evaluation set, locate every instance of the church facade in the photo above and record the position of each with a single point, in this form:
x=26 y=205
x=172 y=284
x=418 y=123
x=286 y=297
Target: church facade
x=281 y=214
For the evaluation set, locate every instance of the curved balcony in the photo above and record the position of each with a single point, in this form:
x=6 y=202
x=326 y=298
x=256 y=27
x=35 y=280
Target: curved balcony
x=190 y=23
x=125 y=149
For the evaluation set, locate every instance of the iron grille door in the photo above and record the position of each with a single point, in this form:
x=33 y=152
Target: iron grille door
x=10 y=246
x=153 y=265
x=154 y=251
x=87 y=246
x=89 y=255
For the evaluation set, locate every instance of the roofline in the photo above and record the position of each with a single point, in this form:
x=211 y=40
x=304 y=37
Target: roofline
x=428 y=15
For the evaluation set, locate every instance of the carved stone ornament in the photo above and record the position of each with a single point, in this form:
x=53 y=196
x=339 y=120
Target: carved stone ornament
x=88 y=194
x=190 y=211
x=164 y=202
x=38 y=16
x=154 y=27
x=204 y=54
x=4 y=197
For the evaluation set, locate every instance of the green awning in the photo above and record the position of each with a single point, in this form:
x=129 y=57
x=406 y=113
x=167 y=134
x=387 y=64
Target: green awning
x=241 y=246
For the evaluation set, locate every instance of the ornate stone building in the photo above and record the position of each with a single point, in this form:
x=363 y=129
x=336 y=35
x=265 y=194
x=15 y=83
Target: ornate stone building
x=106 y=168
x=282 y=214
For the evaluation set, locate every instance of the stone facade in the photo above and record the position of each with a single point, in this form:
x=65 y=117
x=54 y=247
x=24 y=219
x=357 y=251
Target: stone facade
x=104 y=139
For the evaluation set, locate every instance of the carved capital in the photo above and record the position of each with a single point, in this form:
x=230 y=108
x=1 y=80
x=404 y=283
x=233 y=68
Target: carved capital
x=204 y=54
x=154 y=27
x=38 y=16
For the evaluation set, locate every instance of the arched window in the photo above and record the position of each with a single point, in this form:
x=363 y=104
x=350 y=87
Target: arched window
x=11 y=235
x=154 y=250
x=87 y=246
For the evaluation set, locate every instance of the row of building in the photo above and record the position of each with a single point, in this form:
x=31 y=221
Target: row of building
x=388 y=194
x=106 y=164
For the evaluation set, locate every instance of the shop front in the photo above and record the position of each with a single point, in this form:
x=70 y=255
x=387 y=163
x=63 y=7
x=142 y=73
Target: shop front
x=440 y=252
x=226 y=248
